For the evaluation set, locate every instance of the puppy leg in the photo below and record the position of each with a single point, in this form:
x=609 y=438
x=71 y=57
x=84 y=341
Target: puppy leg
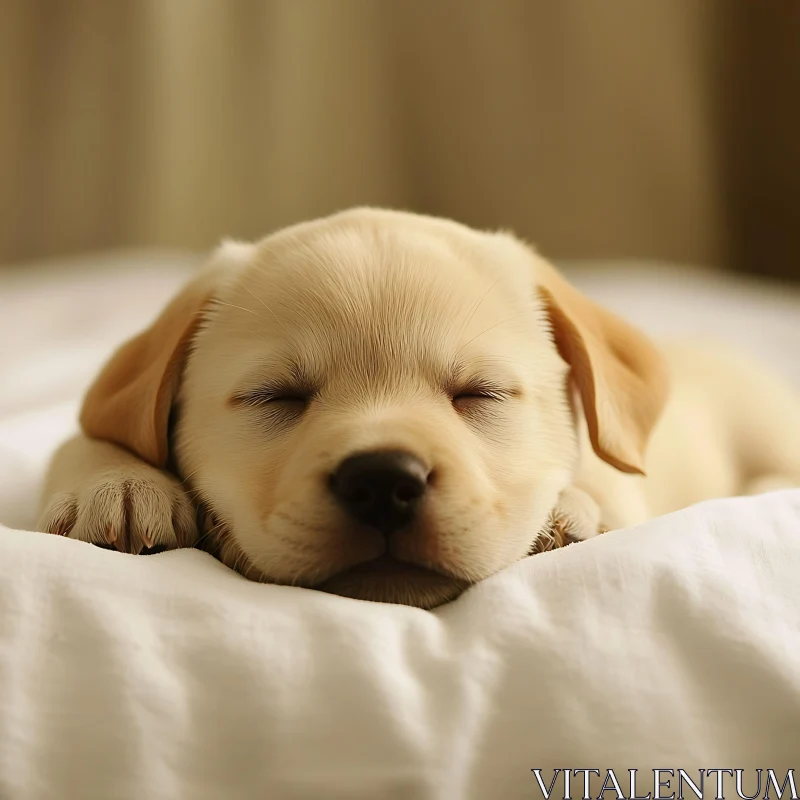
x=100 y=493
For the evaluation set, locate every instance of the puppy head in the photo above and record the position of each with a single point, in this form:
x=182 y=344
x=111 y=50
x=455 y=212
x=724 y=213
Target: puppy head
x=377 y=404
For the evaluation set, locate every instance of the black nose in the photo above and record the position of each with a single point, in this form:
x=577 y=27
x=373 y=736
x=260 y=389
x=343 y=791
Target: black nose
x=381 y=488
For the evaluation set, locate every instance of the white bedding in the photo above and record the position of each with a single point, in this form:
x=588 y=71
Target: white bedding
x=674 y=645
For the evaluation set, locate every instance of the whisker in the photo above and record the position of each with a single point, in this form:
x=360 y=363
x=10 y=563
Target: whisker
x=237 y=561
x=476 y=307
x=492 y=327
x=241 y=308
x=208 y=533
x=195 y=494
x=190 y=475
x=263 y=303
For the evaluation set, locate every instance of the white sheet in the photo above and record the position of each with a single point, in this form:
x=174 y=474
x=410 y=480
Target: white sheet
x=675 y=645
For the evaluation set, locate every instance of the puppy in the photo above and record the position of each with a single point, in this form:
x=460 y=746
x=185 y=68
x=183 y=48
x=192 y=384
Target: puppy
x=392 y=407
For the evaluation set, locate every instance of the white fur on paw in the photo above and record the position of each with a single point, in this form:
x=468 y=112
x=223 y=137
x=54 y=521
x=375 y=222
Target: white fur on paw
x=125 y=510
x=578 y=513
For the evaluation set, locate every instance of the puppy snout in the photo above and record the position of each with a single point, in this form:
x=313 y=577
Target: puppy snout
x=381 y=488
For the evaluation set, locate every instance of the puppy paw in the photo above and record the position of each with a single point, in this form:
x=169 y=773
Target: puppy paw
x=133 y=511
x=578 y=514
x=575 y=518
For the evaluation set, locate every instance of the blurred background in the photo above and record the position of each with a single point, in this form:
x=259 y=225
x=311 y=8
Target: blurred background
x=599 y=129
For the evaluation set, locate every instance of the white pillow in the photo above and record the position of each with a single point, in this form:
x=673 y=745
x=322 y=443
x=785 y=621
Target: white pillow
x=675 y=645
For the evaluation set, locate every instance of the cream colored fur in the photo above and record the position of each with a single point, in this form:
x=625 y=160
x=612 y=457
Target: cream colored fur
x=376 y=329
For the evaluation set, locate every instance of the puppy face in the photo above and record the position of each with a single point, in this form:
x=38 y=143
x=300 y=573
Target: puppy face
x=421 y=348
x=374 y=404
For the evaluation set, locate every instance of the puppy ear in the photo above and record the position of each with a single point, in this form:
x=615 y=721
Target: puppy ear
x=130 y=401
x=620 y=374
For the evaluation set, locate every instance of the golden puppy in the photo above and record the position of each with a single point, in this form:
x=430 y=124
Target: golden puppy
x=392 y=407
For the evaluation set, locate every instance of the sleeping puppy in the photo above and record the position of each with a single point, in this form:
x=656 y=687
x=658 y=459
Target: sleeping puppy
x=392 y=407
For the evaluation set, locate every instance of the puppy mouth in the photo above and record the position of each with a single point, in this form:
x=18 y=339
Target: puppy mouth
x=384 y=579
x=387 y=579
x=389 y=566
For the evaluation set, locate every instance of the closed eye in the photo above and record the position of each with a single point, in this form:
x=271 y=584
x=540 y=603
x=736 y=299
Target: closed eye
x=478 y=396
x=285 y=399
x=280 y=400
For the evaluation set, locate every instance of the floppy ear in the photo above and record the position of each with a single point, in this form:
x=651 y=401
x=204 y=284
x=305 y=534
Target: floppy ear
x=620 y=374
x=129 y=403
